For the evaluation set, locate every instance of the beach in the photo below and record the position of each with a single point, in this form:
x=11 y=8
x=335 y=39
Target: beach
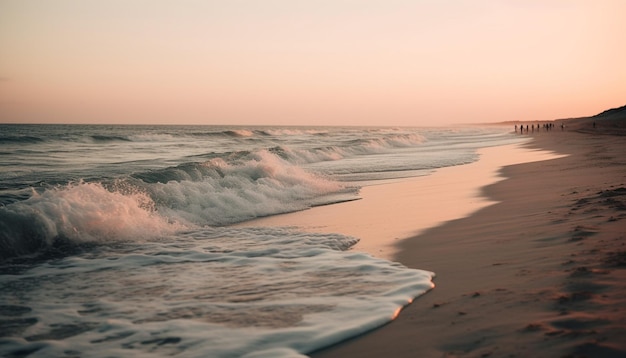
x=539 y=272
x=322 y=179
x=523 y=233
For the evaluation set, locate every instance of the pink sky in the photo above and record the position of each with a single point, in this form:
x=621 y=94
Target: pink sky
x=309 y=62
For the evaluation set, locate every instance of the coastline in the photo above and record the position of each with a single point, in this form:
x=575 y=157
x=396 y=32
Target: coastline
x=395 y=210
x=539 y=273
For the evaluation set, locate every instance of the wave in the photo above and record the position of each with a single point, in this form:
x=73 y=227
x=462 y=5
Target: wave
x=239 y=133
x=348 y=148
x=20 y=139
x=227 y=133
x=152 y=137
x=391 y=141
x=221 y=189
x=235 y=188
x=273 y=176
x=107 y=138
x=266 y=132
x=229 y=193
x=245 y=133
x=291 y=155
x=150 y=205
x=292 y=132
x=77 y=214
x=378 y=140
x=95 y=138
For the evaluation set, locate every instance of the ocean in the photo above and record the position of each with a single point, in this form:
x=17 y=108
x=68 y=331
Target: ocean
x=118 y=240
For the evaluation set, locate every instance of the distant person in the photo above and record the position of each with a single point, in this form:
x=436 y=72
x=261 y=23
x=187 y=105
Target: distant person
x=594 y=124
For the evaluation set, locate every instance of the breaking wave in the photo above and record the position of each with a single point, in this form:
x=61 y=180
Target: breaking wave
x=153 y=204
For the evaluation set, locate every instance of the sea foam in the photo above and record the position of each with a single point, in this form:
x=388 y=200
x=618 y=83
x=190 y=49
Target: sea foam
x=78 y=213
x=215 y=193
x=219 y=292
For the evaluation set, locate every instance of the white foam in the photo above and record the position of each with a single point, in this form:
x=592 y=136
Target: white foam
x=79 y=213
x=261 y=186
x=211 y=292
x=241 y=132
x=222 y=193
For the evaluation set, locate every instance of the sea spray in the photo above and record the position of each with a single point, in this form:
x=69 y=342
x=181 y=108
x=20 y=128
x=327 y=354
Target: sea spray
x=79 y=213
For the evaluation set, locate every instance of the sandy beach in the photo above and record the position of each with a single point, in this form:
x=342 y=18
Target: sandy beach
x=539 y=273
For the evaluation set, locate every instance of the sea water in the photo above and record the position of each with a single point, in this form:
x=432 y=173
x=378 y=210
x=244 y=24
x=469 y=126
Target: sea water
x=115 y=240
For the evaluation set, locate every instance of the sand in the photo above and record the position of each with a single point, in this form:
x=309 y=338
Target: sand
x=540 y=272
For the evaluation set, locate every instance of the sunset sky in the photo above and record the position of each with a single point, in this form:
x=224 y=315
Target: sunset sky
x=309 y=62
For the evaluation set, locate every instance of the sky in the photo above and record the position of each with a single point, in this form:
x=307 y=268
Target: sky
x=309 y=62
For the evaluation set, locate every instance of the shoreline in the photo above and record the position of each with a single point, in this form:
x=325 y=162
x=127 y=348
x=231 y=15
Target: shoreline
x=539 y=273
x=393 y=211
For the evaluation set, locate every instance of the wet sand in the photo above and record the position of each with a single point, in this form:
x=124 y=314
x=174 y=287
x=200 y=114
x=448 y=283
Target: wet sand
x=541 y=272
x=389 y=211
